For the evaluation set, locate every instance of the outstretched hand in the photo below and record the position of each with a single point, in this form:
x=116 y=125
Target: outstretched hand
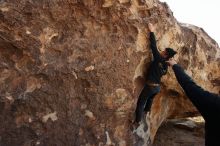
x=171 y=62
x=151 y=27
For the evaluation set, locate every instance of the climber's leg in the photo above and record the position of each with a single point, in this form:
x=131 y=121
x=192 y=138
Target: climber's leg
x=141 y=103
x=143 y=97
x=149 y=103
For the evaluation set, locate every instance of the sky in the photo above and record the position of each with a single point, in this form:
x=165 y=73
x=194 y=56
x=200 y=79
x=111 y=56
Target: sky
x=202 y=13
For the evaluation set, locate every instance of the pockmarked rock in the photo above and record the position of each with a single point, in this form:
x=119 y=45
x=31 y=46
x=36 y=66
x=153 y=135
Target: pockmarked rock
x=71 y=71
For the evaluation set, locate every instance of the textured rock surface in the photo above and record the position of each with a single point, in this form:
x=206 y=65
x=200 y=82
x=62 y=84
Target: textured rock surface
x=172 y=135
x=70 y=71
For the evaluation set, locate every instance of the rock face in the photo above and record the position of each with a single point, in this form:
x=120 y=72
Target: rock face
x=71 y=71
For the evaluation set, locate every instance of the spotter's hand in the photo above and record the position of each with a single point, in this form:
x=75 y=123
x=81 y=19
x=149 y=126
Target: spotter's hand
x=171 y=62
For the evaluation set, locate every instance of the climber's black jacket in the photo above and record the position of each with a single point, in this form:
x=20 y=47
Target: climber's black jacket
x=158 y=66
x=208 y=104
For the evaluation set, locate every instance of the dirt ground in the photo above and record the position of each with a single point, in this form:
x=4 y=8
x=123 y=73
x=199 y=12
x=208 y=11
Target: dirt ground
x=171 y=134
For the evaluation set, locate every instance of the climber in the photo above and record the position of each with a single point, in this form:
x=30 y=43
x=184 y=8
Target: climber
x=157 y=69
x=208 y=104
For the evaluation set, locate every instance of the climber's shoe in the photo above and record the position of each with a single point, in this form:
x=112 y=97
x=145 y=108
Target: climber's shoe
x=134 y=126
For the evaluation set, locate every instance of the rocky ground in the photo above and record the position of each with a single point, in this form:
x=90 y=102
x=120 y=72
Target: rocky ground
x=182 y=132
x=71 y=70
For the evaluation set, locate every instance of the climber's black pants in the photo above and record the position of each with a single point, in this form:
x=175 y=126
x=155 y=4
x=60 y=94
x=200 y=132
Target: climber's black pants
x=145 y=100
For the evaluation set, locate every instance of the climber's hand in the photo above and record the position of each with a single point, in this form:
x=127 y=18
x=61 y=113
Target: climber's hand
x=151 y=27
x=171 y=62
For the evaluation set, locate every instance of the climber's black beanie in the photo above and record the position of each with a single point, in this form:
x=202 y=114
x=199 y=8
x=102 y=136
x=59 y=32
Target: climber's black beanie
x=170 y=52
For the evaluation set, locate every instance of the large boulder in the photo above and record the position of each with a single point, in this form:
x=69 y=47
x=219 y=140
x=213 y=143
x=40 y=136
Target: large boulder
x=71 y=71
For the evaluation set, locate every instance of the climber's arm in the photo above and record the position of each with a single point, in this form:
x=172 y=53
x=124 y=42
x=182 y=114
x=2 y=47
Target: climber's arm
x=153 y=43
